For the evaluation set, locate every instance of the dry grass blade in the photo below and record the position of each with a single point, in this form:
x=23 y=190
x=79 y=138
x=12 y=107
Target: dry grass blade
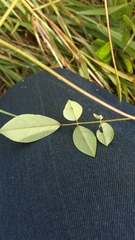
x=112 y=52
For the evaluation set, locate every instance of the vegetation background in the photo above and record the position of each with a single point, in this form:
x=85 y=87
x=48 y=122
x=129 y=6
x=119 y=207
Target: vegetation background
x=95 y=39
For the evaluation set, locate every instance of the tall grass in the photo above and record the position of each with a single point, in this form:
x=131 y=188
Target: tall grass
x=94 y=39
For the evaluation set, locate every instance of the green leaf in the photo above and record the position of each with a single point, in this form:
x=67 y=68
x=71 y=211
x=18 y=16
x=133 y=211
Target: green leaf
x=104 y=53
x=29 y=128
x=127 y=62
x=101 y=11
x=126 y=37
x=72 y=110
x=85 y=140
x=129 y=22
x=98 y=43
x=106 y=135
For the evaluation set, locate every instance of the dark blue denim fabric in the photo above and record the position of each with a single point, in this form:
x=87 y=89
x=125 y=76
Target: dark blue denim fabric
x=51 y=191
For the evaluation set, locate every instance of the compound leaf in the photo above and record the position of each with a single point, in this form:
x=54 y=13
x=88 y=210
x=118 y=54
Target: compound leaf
x=72 y=110
x=85 y=140
x=29 y=128
x=106 y=135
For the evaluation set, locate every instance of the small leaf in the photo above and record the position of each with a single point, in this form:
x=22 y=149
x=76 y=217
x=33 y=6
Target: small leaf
x=129 y=22
x=106 y=135
x=98 y=43
x=85 y=140
x=29 y=128
x=127 y=62
x=104 y=53
x=72 y=110
x=100 y=117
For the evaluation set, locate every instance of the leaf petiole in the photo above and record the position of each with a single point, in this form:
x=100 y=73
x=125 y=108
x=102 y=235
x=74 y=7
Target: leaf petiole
x=7 y=113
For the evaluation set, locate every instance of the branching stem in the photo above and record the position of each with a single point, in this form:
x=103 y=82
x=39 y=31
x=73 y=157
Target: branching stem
x=94 y=122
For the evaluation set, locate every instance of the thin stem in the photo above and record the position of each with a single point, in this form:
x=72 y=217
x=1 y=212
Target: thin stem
x=7 y=113
x=94 y=122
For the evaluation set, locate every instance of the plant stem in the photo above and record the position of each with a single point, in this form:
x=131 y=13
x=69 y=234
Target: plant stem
x=7 y=113
x=94 y=122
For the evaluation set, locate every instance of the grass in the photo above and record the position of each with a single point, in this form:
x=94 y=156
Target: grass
x=94 y=39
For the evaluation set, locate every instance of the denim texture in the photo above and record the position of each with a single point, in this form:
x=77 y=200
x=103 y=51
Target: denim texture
x=51 y=191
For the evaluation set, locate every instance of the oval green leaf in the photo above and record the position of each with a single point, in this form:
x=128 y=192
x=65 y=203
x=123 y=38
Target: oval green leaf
x=27 y=128
x=85 y=140
x=106 y=135
x=72 y=110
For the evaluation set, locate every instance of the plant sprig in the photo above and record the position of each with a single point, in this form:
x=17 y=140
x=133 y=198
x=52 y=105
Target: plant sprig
x=26 y=128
